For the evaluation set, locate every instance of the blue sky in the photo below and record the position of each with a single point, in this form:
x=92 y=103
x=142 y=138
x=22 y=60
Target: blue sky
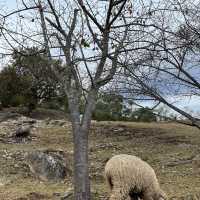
x=10 y=4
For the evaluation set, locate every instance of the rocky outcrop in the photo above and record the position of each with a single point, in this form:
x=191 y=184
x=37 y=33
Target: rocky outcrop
x=47 y=166
x=19 y=129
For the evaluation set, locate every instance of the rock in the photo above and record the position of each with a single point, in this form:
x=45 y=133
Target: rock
x=47 y=121
x=67 y=194
x=57 y=122
x=46 y=167
x=23 y=131
x=29 y=121
x=20 y=129
x=21 y=134
x=56 y=194
x=119 y=130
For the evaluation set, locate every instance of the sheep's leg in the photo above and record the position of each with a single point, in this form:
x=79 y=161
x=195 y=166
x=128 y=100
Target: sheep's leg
x=134 y=197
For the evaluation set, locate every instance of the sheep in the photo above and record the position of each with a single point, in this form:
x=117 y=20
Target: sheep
x=129 y=176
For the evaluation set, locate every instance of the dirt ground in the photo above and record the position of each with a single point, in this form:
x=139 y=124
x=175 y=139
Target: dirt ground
x=165 y=146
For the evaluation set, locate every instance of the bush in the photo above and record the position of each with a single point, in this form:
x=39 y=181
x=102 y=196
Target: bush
x=108 y=107
x=11 y=87
x=28 y=80
x=143 y=115
x=17 y=100
x=102 y=116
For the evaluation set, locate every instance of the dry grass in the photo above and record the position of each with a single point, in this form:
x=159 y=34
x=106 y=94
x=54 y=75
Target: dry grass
x=157 y=143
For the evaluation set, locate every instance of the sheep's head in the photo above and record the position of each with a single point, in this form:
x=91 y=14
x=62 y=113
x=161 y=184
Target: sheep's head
x=159 y=195
x=162 y=195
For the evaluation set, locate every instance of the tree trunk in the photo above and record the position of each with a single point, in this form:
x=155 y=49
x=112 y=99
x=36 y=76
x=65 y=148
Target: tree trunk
x=80 y=128
x=81 y=171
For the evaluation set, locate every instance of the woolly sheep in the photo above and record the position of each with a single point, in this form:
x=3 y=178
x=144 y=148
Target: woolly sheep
x=129 y=176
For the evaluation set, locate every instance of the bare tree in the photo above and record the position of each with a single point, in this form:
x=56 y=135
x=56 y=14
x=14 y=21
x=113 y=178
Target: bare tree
x=85 y=31
x=84 y=39
x=167 y=65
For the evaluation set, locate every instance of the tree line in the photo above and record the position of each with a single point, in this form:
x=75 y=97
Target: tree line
x=26 y=83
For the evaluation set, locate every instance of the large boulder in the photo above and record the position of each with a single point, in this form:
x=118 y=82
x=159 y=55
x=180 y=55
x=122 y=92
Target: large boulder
x=46 y=166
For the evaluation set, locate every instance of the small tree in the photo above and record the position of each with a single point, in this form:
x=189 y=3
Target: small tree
x=34 y=69
x=27 y=81
x=12 y=87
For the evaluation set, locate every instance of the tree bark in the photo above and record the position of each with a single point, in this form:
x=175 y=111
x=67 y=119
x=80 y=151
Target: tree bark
x=81 y=172
x=80 y=129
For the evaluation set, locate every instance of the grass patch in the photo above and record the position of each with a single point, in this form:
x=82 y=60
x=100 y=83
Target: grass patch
x=156 y=143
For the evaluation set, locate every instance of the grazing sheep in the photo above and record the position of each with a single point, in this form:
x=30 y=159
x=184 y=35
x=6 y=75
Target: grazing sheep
x=129 y=176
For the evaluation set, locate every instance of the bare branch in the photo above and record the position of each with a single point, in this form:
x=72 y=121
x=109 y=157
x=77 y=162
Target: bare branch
x=90 y=16
x=20 y=10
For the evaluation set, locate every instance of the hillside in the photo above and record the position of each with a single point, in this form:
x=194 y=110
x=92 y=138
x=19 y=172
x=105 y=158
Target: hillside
x=164 y=145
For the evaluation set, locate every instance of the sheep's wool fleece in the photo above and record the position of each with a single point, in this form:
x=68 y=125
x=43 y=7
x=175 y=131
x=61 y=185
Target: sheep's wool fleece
x=131 y=173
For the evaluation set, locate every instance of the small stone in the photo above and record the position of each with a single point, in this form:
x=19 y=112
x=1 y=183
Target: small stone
x=67 y=194
x=2 y=184
x=56 y=194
